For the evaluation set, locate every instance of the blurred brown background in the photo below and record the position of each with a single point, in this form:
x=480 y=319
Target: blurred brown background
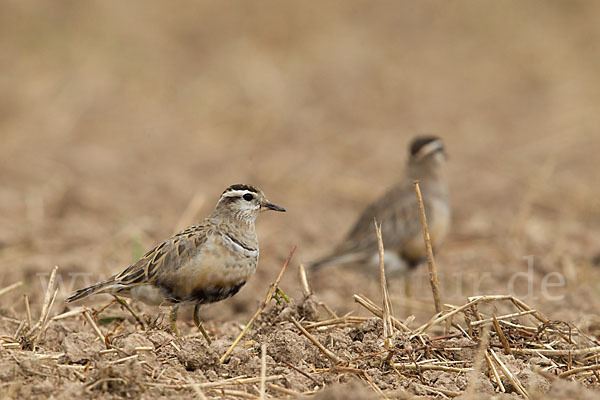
x=121 y=122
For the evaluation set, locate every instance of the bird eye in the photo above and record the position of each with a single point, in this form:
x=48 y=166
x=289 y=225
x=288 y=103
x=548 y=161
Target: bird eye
x=248 y=197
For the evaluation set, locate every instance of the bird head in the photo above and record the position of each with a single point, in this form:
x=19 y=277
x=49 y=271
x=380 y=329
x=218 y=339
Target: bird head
x=427 y=157
x=244 y=202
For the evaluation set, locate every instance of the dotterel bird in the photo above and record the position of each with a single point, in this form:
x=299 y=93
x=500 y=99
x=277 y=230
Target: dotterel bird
x=202 y=264
x=397 y=211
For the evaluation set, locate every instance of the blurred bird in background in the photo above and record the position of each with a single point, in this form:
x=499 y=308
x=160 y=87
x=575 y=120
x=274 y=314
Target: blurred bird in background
x=398 y=213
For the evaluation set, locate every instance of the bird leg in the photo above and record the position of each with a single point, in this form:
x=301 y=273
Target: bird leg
x=128 y=307
x=198 y=324
x=173 y=319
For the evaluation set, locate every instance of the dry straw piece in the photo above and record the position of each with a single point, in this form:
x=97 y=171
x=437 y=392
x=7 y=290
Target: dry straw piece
x=97 y=330
x=387 y=305
x=335 y=359
x=42 y=323
x=509 y=375
x=378 y=312
x=10 y=288
x=433 y=279
x=263 y=370
x=306 y=290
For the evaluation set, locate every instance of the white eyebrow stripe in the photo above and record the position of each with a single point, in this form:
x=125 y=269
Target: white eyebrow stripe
x=237 y=193
x=429 y=148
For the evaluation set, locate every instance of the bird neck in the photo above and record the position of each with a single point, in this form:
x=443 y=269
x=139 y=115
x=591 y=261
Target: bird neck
x=240 y=220
x=428 y=170
x=241 y=230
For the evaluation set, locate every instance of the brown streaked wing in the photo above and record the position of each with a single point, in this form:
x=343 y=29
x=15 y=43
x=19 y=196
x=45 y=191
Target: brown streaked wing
x=177 y=250
x=133 y=275
x=168 y=254
x=396 y=211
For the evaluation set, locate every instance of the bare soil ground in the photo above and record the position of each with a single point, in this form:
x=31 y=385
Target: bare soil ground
x=121 y=123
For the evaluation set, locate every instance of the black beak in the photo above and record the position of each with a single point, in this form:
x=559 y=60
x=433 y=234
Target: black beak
x=271 y=206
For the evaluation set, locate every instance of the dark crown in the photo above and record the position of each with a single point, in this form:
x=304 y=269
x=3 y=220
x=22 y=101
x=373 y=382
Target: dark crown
x=240 y=186
x=417 y=144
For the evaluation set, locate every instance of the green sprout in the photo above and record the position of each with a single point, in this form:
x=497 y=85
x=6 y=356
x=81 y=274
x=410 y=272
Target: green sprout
x=279 y=295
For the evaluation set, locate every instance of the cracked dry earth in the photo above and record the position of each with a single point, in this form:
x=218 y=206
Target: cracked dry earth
x=70 y=361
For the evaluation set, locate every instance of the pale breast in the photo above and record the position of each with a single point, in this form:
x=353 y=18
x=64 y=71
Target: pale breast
x=440 y=222
x=438 y=225
x=215 y=272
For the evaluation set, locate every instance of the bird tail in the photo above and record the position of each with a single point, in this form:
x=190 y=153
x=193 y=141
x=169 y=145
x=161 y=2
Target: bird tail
x=88 y=291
